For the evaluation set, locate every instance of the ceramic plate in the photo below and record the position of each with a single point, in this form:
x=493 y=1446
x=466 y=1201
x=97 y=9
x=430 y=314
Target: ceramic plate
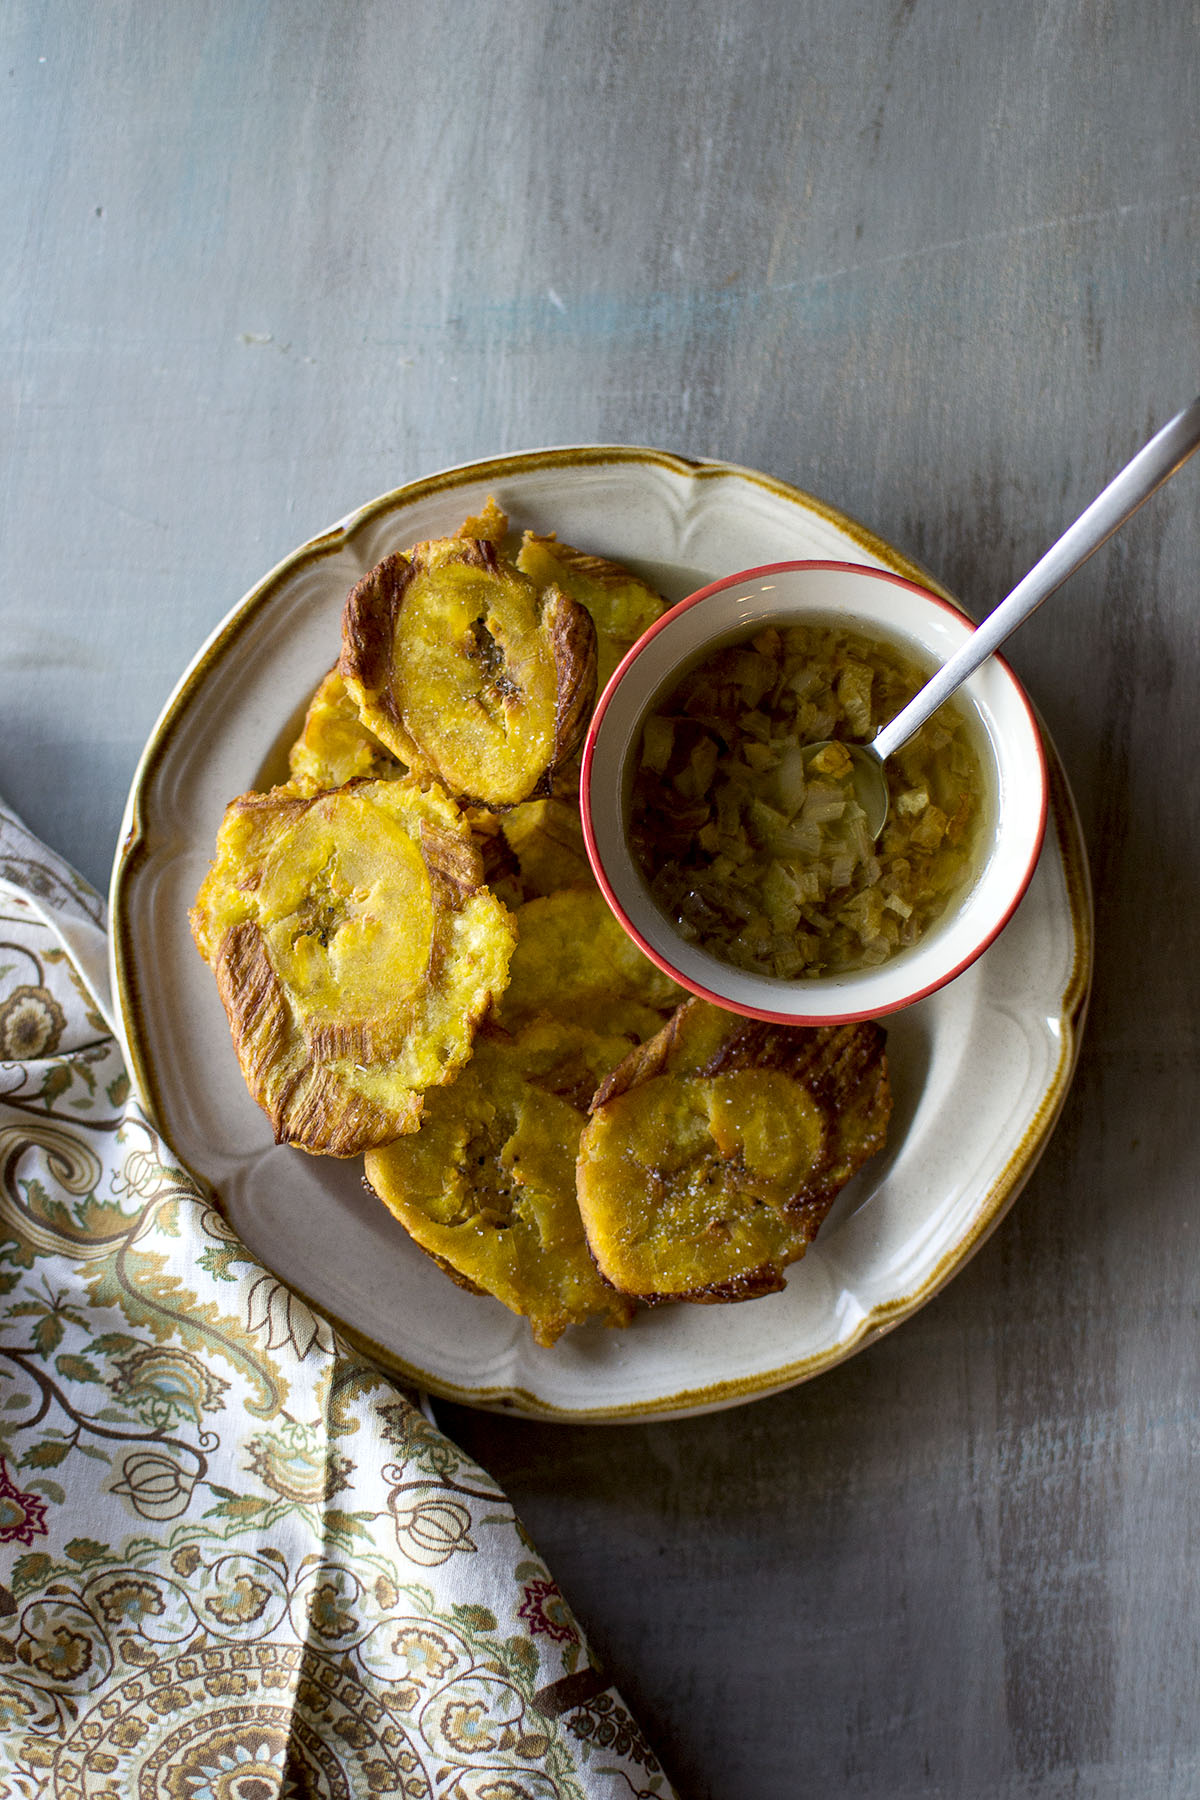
x=979 y=1070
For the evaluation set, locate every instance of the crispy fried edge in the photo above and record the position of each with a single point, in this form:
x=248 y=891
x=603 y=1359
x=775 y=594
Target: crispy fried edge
x=368 y=630
x=833 y=1064
x=585 y=563
x=489 y=525
x=573 y=640
x=311 y=1108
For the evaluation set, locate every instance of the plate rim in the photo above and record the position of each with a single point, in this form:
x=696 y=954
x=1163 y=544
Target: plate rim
x=133 y=850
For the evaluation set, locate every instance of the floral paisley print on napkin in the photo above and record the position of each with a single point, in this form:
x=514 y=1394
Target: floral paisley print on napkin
x=236 y=1561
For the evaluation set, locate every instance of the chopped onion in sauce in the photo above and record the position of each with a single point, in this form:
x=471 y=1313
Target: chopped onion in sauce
x=758 y=850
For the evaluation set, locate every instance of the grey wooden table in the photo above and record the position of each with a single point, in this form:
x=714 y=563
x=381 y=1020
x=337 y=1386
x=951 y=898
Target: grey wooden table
x=936 y=263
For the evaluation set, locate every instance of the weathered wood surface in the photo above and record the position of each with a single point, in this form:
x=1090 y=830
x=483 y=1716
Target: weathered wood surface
x=937 y=264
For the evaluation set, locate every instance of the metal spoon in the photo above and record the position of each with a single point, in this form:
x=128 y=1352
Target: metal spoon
x=1167 y=451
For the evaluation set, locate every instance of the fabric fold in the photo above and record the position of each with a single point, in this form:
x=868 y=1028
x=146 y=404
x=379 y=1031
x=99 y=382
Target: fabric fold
x=235 y=1558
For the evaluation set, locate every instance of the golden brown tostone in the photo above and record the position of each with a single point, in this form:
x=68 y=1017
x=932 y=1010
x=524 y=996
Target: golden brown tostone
x=714 y=1151
x=487 y=1186
x=356 y=949
x=468 y=671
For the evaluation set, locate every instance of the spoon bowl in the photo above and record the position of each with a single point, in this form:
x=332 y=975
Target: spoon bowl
x=867 y=778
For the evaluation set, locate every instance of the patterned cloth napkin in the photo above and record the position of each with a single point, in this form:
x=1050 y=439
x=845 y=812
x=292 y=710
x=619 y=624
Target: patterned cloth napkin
x=236 y=1561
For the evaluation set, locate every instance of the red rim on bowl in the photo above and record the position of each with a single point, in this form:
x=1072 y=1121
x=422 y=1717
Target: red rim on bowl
x=1000 y=706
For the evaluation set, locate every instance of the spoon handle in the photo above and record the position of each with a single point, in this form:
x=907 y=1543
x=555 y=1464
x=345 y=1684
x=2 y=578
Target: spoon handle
x=1167 y=451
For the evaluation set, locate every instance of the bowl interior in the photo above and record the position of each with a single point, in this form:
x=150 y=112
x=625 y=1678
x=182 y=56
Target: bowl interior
x=924 y=627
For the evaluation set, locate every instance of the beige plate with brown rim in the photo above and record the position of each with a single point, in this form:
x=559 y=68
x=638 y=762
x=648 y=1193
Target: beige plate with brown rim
x=979 y=1070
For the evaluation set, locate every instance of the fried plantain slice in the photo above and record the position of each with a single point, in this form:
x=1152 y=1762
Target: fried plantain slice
x=334 y=745
x=487 y=1185
x=622 y=605
x=355 y=949
x=573 y=961
x=546 y=839
x=714 y=1152
x=491 y=524
x=468 y=671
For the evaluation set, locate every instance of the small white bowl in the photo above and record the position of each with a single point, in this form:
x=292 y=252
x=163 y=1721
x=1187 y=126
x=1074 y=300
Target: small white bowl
x=881 y=605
